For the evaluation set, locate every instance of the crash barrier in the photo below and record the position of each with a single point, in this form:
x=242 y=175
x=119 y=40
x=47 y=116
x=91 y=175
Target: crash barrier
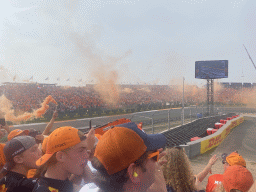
x=202 y=145
x=181 y=135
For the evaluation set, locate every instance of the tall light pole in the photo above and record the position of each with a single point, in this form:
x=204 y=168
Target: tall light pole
x=182 y=115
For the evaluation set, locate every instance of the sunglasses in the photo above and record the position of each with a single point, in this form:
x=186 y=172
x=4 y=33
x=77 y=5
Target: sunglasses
x=154 y=156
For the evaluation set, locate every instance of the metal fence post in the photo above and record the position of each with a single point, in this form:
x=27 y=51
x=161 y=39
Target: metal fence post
x=153 y=123
x=202 y=112
x=169 y=119
x=190 y=115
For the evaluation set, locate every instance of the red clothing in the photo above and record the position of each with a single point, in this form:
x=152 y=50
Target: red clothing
x=213 y=181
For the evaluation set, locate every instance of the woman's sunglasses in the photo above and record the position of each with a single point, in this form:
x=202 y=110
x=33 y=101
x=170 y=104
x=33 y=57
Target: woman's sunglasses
x=154 y=156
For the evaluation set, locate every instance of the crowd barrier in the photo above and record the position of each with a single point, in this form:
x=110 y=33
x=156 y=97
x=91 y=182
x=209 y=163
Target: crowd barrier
x=209 y=142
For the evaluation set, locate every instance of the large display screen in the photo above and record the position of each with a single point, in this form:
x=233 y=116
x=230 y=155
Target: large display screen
x=211 y=69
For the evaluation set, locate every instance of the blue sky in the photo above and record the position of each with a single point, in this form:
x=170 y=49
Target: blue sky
x=144 y=41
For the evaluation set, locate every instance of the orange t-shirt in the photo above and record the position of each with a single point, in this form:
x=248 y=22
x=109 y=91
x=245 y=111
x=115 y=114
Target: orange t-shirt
x=213 y=181
x=2 y=157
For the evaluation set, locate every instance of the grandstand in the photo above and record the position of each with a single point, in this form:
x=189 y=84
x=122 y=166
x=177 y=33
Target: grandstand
x=237 y=85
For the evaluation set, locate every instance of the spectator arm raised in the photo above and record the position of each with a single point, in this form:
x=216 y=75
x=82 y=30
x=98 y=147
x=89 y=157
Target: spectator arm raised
x=50 y=124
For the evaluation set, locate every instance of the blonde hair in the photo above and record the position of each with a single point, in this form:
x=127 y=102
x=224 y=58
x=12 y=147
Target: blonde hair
x=177 y=171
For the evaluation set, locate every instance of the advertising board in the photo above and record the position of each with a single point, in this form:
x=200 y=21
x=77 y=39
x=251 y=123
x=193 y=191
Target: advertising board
x=208 y=144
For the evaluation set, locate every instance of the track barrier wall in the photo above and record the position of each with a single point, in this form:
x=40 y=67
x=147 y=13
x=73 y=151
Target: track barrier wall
x=209 y=142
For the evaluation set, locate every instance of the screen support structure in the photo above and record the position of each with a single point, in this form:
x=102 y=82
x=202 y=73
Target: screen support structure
x=210 y=97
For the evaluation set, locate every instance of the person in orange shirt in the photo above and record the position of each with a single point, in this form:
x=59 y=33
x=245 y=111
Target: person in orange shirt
x=236 y=178
x=227 y=161
x=2 y=157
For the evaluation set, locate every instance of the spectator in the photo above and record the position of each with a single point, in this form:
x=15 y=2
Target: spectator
x=178 y=173
x=207 y=169
x=2 y=158
x=16 y=133
x=50 y=124
x=21 y=154
x=227 y=160
x=236 y=178
x=66 y=153
x=126 y=159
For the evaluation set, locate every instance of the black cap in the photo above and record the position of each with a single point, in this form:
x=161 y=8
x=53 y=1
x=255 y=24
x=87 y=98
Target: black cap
x=18 y=145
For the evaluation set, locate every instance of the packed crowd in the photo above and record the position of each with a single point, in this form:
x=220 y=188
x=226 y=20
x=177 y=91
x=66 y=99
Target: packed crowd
x=27 y=97
x=122 y=158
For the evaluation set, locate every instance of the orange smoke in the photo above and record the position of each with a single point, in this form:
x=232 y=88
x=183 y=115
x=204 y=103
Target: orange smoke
x=107 y=88
x=39 y=112
x=8 y=112
x=102 y=68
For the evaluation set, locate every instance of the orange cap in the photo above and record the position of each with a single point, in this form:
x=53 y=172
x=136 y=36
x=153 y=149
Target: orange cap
x=98 y=136
x=2 y=157
x=118 y=148
x=235 y=159
x=16 y=133
x=60 y=139
x=237 y=177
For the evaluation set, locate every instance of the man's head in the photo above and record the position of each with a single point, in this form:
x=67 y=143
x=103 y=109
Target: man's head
x=16 y=133
x=66 y=147
x=237 y=177
x=21 y=151
x=126 y=154
x=232 y=159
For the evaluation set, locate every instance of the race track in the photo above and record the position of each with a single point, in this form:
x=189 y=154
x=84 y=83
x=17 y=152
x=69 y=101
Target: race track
x=241 y=139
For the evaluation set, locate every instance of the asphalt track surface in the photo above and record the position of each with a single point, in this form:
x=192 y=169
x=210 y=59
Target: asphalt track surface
x=241 y=139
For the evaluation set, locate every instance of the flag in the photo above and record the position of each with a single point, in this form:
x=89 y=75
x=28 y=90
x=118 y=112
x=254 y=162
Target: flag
x=47 y=78
x=68 y=79
x=14 y=78
x=58 y=79
x=31 y=78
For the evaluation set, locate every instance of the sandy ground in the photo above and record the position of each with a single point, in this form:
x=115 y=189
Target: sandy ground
x=241 y=139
